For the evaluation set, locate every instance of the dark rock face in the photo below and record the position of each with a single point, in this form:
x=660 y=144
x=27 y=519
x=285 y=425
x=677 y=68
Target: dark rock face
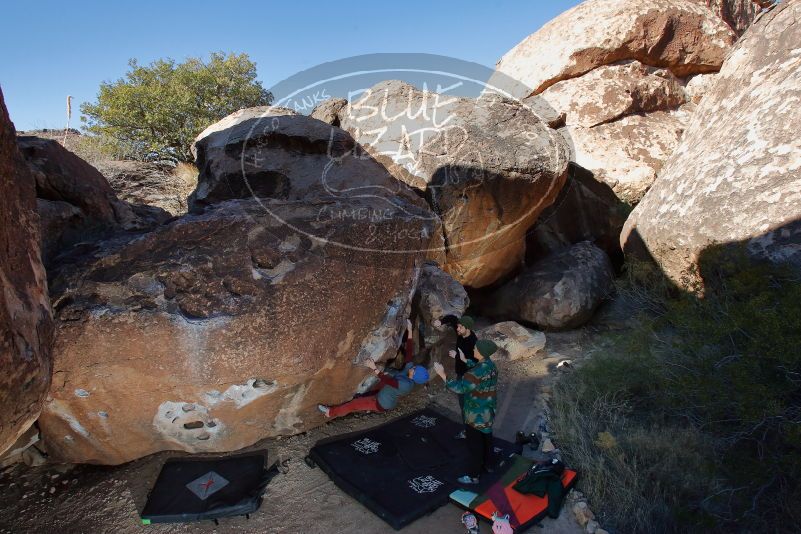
x=735 y=176
x=77 y=202
x=558 y=292
x=738 y=14
x=151 y=184
x=274 y=153
x=26 y=325
x=223 y=327
x=585 y=210
x=438 y=294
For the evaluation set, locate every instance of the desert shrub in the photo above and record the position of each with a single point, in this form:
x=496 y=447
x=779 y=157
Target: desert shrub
x=156 y=111
x=691 y=421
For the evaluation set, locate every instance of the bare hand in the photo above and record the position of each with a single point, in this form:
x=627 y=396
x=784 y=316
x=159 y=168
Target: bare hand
x=437 y=323
x=370 y=363
x=452 y=353
x=462 y=356
x=409 y=326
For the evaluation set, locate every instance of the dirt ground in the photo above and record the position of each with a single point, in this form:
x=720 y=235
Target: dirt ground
x=91 y=499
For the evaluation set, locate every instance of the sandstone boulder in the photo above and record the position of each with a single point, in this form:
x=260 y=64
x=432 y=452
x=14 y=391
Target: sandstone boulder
x=229 y=325
x=329 y=111
x=735 y=176
x=515 y=342
x=627 y=154
x=679 y=35
x=223 y=328
x=26 y=325
x=557 y=292
x=275 y=153
x=438 y=294
x=611 y=92
x=77 y=202
x=487 y=166
x=153 y=184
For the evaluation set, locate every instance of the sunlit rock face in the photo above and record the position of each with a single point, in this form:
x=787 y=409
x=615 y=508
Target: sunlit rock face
x=736 y=176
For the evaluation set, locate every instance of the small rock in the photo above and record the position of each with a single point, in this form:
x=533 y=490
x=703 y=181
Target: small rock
x=52 y=490
x=565 y=365
x=583 y=513
x=592 y=527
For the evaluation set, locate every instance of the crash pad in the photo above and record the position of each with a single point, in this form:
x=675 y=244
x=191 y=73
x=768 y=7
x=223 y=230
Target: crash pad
x=403 y=469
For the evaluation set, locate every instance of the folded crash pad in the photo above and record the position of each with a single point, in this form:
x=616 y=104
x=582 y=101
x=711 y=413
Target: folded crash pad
x=401 y=470
x=193 y=489
x=524 y=510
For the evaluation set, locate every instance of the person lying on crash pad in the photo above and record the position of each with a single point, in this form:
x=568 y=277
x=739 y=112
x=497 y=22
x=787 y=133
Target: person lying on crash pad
x=391 y=386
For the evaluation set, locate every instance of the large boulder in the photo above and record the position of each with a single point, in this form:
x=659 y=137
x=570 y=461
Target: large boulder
x=514 y=341
x=26 y=325
x=153 y=184
x=557 y=292
x=735 y=176
x=487 y=166
x=76 y=202
x=679 y=35
x=275 y=153
x=227 y=326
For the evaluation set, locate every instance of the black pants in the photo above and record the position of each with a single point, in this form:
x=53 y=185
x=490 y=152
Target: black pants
x=479 y=446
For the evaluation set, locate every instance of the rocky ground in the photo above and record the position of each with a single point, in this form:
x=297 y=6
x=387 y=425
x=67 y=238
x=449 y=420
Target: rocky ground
x=82 y=499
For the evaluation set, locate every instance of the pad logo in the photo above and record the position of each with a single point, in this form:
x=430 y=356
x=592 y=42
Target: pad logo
x=426 y=484
x=424 y=421
x=366 y=446
x=207 y=485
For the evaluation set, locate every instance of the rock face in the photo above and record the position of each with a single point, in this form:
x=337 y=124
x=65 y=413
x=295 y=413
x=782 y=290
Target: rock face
x=616 y=72
x=438 y=294
x=735 y=176
x=488 y=167
x=329 y=111
x=152 y=184
x=627 y=154
x=75 y=201
x=515 y=342
x=585 y=210
x=558 y=292
x=278 y=154
x=678 y=35
x=26 y=325
x=227 y=326
x=738 y=14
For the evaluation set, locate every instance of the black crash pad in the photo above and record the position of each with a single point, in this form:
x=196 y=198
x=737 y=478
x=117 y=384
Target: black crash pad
x=404 y=469
x=193 y=489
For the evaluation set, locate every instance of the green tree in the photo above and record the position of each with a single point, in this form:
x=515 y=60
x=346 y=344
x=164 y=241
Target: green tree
x=159 y=109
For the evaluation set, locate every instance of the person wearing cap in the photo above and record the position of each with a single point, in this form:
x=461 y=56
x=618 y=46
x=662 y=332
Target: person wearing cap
x=391 y=386
x=464 y=350
x=478 y=385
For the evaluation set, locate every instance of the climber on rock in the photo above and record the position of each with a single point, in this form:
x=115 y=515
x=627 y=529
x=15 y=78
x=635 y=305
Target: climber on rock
x=391 y=386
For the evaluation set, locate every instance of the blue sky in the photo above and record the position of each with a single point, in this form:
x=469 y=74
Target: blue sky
x=51 y=49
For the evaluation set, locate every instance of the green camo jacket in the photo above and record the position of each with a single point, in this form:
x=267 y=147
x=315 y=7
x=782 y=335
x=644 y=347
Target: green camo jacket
x=479 y=386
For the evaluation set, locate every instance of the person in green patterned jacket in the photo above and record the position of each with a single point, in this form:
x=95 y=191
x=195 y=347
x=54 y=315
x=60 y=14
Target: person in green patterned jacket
x=479 y=385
